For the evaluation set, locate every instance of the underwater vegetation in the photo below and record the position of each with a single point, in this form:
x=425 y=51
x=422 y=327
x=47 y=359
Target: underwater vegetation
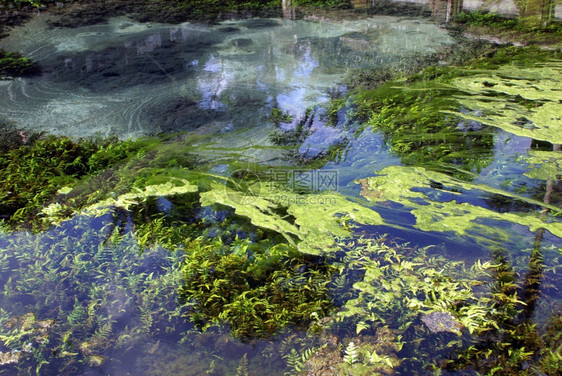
x=34 y=167
x=255 y=289
x=149 y=248
x=14 y=64
x=74 y=294
x=502 y=23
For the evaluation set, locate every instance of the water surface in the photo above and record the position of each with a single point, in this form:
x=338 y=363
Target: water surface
x=129 y=79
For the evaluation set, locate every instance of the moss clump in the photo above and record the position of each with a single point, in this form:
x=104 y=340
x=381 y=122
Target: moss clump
x=14 y=64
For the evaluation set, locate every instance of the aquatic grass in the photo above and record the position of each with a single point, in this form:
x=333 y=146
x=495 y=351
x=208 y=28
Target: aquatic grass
x=330 y=4
x=255 y=289
x=96 y=296
x=33 y=171
x=410 y=112
x=14 y=64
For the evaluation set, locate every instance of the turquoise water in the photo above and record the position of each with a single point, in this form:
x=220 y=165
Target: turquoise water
x=84 y=298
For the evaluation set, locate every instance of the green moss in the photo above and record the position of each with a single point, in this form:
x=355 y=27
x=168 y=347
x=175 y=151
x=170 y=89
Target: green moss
x=14 y=64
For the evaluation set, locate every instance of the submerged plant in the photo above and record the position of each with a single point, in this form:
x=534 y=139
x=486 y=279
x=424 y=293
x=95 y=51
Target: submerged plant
x=32 y=172
x=14 y=64
x=255 y=289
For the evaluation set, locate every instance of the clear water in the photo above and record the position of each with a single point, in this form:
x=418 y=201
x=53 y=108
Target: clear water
x=131 y=80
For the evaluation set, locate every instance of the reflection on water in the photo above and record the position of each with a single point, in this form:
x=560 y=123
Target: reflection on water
x=131 y=79
x=82 y=297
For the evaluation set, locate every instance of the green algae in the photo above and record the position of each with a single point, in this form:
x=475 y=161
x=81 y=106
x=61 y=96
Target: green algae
x=546 y=165
x=409 y=185
x=525 y=101
x=311 y=221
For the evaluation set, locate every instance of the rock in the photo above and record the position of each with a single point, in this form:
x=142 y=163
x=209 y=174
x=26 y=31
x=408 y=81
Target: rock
x=438 y=322
x=12 y=357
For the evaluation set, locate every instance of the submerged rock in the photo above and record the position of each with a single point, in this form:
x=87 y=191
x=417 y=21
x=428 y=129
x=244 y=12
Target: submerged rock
x=438 y=322
x=12 y=357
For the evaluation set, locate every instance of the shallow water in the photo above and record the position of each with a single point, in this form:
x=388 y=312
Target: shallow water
x=130 y=80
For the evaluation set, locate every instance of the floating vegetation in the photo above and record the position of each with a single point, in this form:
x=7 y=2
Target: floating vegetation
x=522 y=100
x=410 y=114
x=310 y=221
x=435 y=201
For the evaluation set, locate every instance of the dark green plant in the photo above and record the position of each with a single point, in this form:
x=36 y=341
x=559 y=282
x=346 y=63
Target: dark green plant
x=34 y=168
x=254 y=289
x=497 y=21
x=14 y=64
x=330 y=4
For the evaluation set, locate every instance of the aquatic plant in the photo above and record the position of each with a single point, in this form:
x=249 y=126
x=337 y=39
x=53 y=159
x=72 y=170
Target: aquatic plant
x=19 y=3
x=94 y=296
x=497 y=21
x=33 y=171
x=431 y=195
x=14 y=64
x=410 y=112
x=514 y=345
x=309 y=221
x=518 y=99
x=254 y=289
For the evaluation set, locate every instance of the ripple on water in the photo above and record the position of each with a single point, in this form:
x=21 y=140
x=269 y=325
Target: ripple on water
x=130 y=79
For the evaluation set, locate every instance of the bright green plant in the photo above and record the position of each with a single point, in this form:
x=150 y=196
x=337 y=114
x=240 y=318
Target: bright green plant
x=422 y=191
x=521 y=100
